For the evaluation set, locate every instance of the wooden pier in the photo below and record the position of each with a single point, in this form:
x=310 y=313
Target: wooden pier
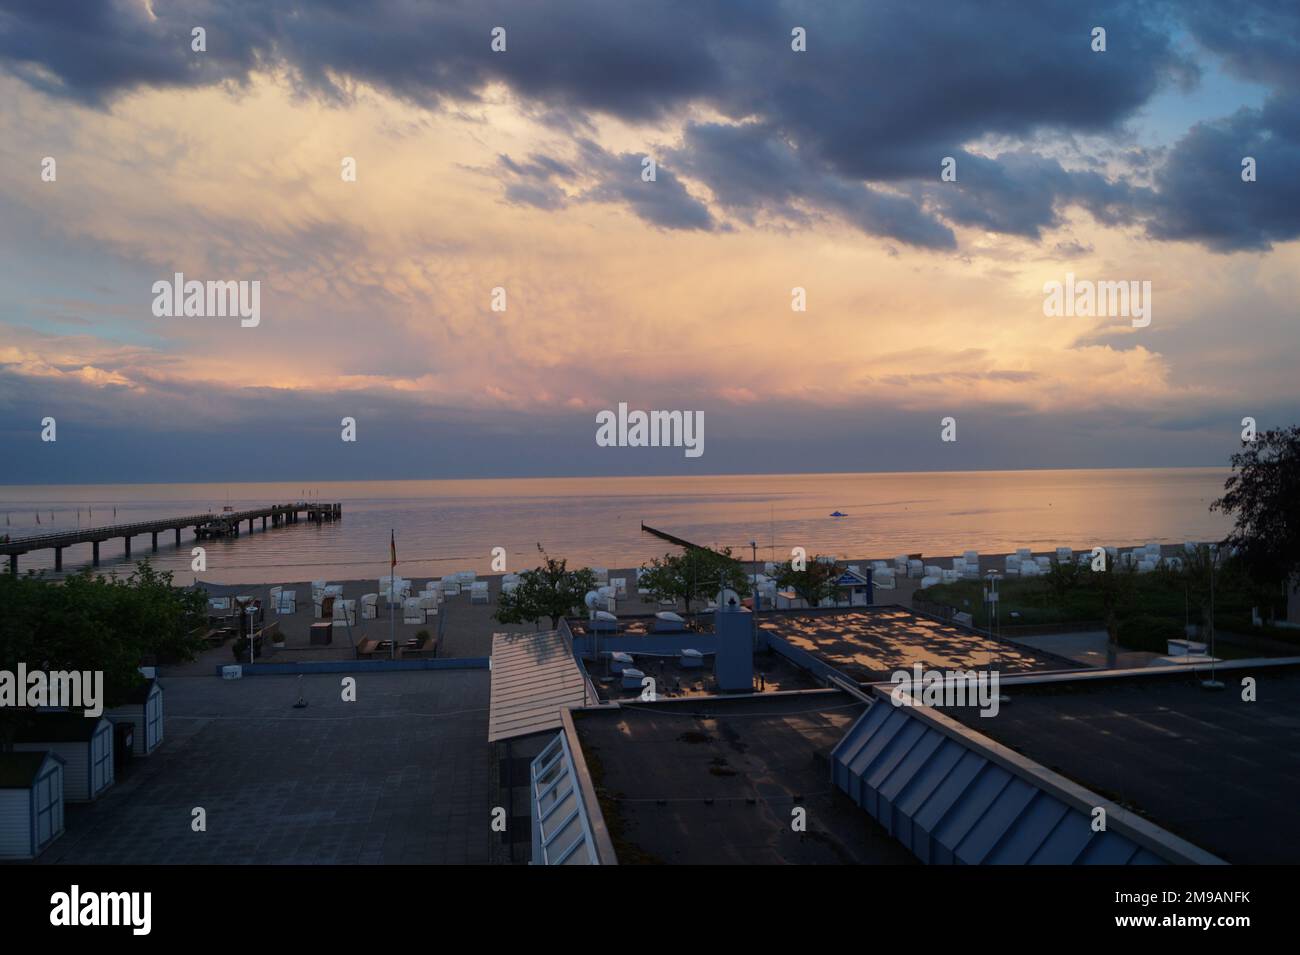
x=208 y=525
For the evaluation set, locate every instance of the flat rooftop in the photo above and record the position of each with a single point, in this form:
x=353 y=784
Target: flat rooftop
x=867 y=644
x=715 y=781
x=640 y=625
x=402 y=775
x=772 y=672
x=1217 y=771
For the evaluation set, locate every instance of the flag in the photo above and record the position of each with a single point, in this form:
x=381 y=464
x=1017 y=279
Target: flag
x=392 y=550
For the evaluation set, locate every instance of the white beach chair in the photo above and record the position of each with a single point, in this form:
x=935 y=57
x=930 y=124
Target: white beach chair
x=450 y=587
x=287 y=602
x=915 y=568
x=478 y=592
x=275 y=595
x=412 y=612
x=345 y=612
x=369 y=606
x=620 y=586
x=218 y=603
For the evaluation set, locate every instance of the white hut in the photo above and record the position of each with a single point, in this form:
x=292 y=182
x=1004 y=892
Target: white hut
x=31 y=803
x=85 y=744
x=144 y=710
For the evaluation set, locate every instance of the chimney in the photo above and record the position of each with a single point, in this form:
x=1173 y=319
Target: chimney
x=734 y=669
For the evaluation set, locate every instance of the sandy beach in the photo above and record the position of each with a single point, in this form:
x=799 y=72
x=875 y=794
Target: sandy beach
x=467 y=628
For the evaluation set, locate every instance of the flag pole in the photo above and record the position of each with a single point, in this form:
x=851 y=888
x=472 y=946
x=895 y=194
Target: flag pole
x=392 y=570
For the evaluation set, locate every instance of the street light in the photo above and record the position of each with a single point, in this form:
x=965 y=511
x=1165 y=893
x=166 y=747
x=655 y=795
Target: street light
x=1213 y=683
x=753 y=578
x=252 y=613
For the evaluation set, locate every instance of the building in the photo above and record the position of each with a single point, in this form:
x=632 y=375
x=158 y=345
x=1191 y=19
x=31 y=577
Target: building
x=31 y=803
x=535 y=678
x=144 y=710
x=1076 y=765
x=84 y=743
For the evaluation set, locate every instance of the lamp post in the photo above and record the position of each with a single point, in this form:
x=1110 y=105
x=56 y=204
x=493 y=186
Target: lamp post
x=753 y=578
x=1213 y=683
x=251 y=611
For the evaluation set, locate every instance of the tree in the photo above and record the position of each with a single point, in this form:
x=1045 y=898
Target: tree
x=551 y=590
x=694 y=574
x=97 y=623
x=1062 y=577
x=1115 y=585
x=1262 y=495
x=814 y=583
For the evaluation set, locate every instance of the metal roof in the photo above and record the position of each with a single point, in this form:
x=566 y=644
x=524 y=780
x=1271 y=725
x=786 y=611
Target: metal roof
x=947 y=800
x=534 y=677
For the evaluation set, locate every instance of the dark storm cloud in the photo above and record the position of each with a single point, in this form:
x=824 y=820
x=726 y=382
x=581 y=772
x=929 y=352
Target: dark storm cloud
x=853 y=128
x=755 y=174
x=1202 y=197
x=1259 y=40
x=1021 y=193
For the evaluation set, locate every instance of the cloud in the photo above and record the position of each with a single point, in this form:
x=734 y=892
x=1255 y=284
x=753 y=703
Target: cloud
x=610 y=178
x=1200 y=195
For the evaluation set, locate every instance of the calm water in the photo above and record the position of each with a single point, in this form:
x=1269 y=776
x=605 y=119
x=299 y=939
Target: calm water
x=443 y=526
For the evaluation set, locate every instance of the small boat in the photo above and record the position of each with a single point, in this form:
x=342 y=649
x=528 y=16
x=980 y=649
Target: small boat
x=838 y=514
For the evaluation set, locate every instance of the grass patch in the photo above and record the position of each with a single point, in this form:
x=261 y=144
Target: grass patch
x=1156 y=606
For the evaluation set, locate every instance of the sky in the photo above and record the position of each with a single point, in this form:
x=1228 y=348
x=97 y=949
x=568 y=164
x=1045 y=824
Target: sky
x=523 y=170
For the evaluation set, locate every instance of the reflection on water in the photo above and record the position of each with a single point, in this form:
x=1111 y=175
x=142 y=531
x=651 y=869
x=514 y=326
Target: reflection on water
x=443 y=526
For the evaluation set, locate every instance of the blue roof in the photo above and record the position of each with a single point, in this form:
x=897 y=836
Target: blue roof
x=950 y=804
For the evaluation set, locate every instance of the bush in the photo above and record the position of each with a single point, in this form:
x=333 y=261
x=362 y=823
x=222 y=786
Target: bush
x=1152 y=634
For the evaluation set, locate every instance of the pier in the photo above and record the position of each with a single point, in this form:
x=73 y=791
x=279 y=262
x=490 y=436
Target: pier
x=671 y=538
x=205 y=526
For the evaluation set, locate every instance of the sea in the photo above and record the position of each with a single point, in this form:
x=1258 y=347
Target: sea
x=443 y=526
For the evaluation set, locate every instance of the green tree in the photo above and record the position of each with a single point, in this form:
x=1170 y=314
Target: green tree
x=551 y=590
x=1262 y=496
x=814 y=583
x=694 y=574
x=1062 y=577
x=97 y=623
